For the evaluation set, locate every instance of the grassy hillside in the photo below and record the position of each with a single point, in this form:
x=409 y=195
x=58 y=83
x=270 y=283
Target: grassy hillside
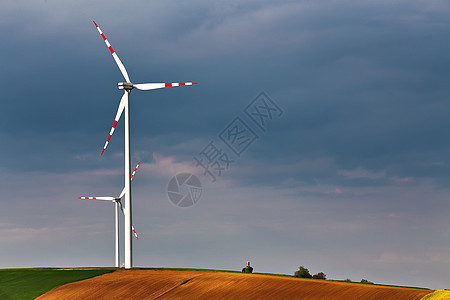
x=31 y=283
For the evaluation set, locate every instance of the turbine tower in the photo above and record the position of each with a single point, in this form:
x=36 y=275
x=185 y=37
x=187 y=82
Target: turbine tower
x=117 y=205
x=124 y=105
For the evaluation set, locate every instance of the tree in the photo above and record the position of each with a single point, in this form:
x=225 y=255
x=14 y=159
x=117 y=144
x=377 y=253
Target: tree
x=247 y=269
x=320 y=275
x=302 y=273
x=366 y=281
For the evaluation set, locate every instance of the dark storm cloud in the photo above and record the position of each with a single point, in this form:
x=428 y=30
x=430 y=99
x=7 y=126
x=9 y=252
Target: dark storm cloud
x=370 y=59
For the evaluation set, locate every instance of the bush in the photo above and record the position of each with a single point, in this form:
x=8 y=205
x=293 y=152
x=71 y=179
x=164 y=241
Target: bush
x=320 y=275
x=366 y=281
x=302 y=273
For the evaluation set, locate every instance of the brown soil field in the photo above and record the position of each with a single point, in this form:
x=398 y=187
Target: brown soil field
x=166 y=284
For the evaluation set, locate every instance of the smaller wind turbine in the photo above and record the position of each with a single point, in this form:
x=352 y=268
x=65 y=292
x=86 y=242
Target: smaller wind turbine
x=118 y=204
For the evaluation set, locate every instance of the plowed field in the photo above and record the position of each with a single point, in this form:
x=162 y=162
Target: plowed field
x=135 y=284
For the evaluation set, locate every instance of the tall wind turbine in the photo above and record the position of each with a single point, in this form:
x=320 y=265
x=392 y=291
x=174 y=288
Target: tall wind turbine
x=118 y=205
x=124 y=105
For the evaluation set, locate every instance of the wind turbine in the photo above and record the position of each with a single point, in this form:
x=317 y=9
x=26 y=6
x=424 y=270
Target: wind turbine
x=124 y=105
x=118 y=205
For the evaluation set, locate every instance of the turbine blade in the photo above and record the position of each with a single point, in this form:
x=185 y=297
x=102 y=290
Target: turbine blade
x=153 y=86
x=134 y=231
x=132 y=175
x=135 y=234
x=121 y=194
x=117 y=118
x=114 y=54
x=135 y=169
x=98 y=198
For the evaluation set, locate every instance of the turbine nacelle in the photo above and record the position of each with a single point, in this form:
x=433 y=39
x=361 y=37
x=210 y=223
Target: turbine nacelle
x=128 y=86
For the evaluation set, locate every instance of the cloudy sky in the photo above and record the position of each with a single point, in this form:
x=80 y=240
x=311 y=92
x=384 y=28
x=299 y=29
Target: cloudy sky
x=350 y=176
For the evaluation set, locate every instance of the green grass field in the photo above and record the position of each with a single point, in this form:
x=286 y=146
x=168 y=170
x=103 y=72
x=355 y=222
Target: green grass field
x=31 y=283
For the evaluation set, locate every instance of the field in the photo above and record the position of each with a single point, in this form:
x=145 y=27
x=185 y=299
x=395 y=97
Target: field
x=30 y=283
x=437 y=295
x=171 y=284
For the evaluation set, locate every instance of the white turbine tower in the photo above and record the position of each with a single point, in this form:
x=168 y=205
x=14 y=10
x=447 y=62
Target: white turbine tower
x=124 y=105
x=118 y=205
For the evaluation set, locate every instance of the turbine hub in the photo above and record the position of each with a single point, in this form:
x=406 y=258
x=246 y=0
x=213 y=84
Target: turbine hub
x=125 y=86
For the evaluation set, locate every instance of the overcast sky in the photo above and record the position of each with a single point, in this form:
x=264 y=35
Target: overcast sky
x=350 y=176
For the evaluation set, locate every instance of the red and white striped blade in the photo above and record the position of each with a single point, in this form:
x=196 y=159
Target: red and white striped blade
x=135 y=234
x=122 y=104
x=98 y=198
x=154 y=86
x=132 y=175
x=114 y=54
x=135 y=169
